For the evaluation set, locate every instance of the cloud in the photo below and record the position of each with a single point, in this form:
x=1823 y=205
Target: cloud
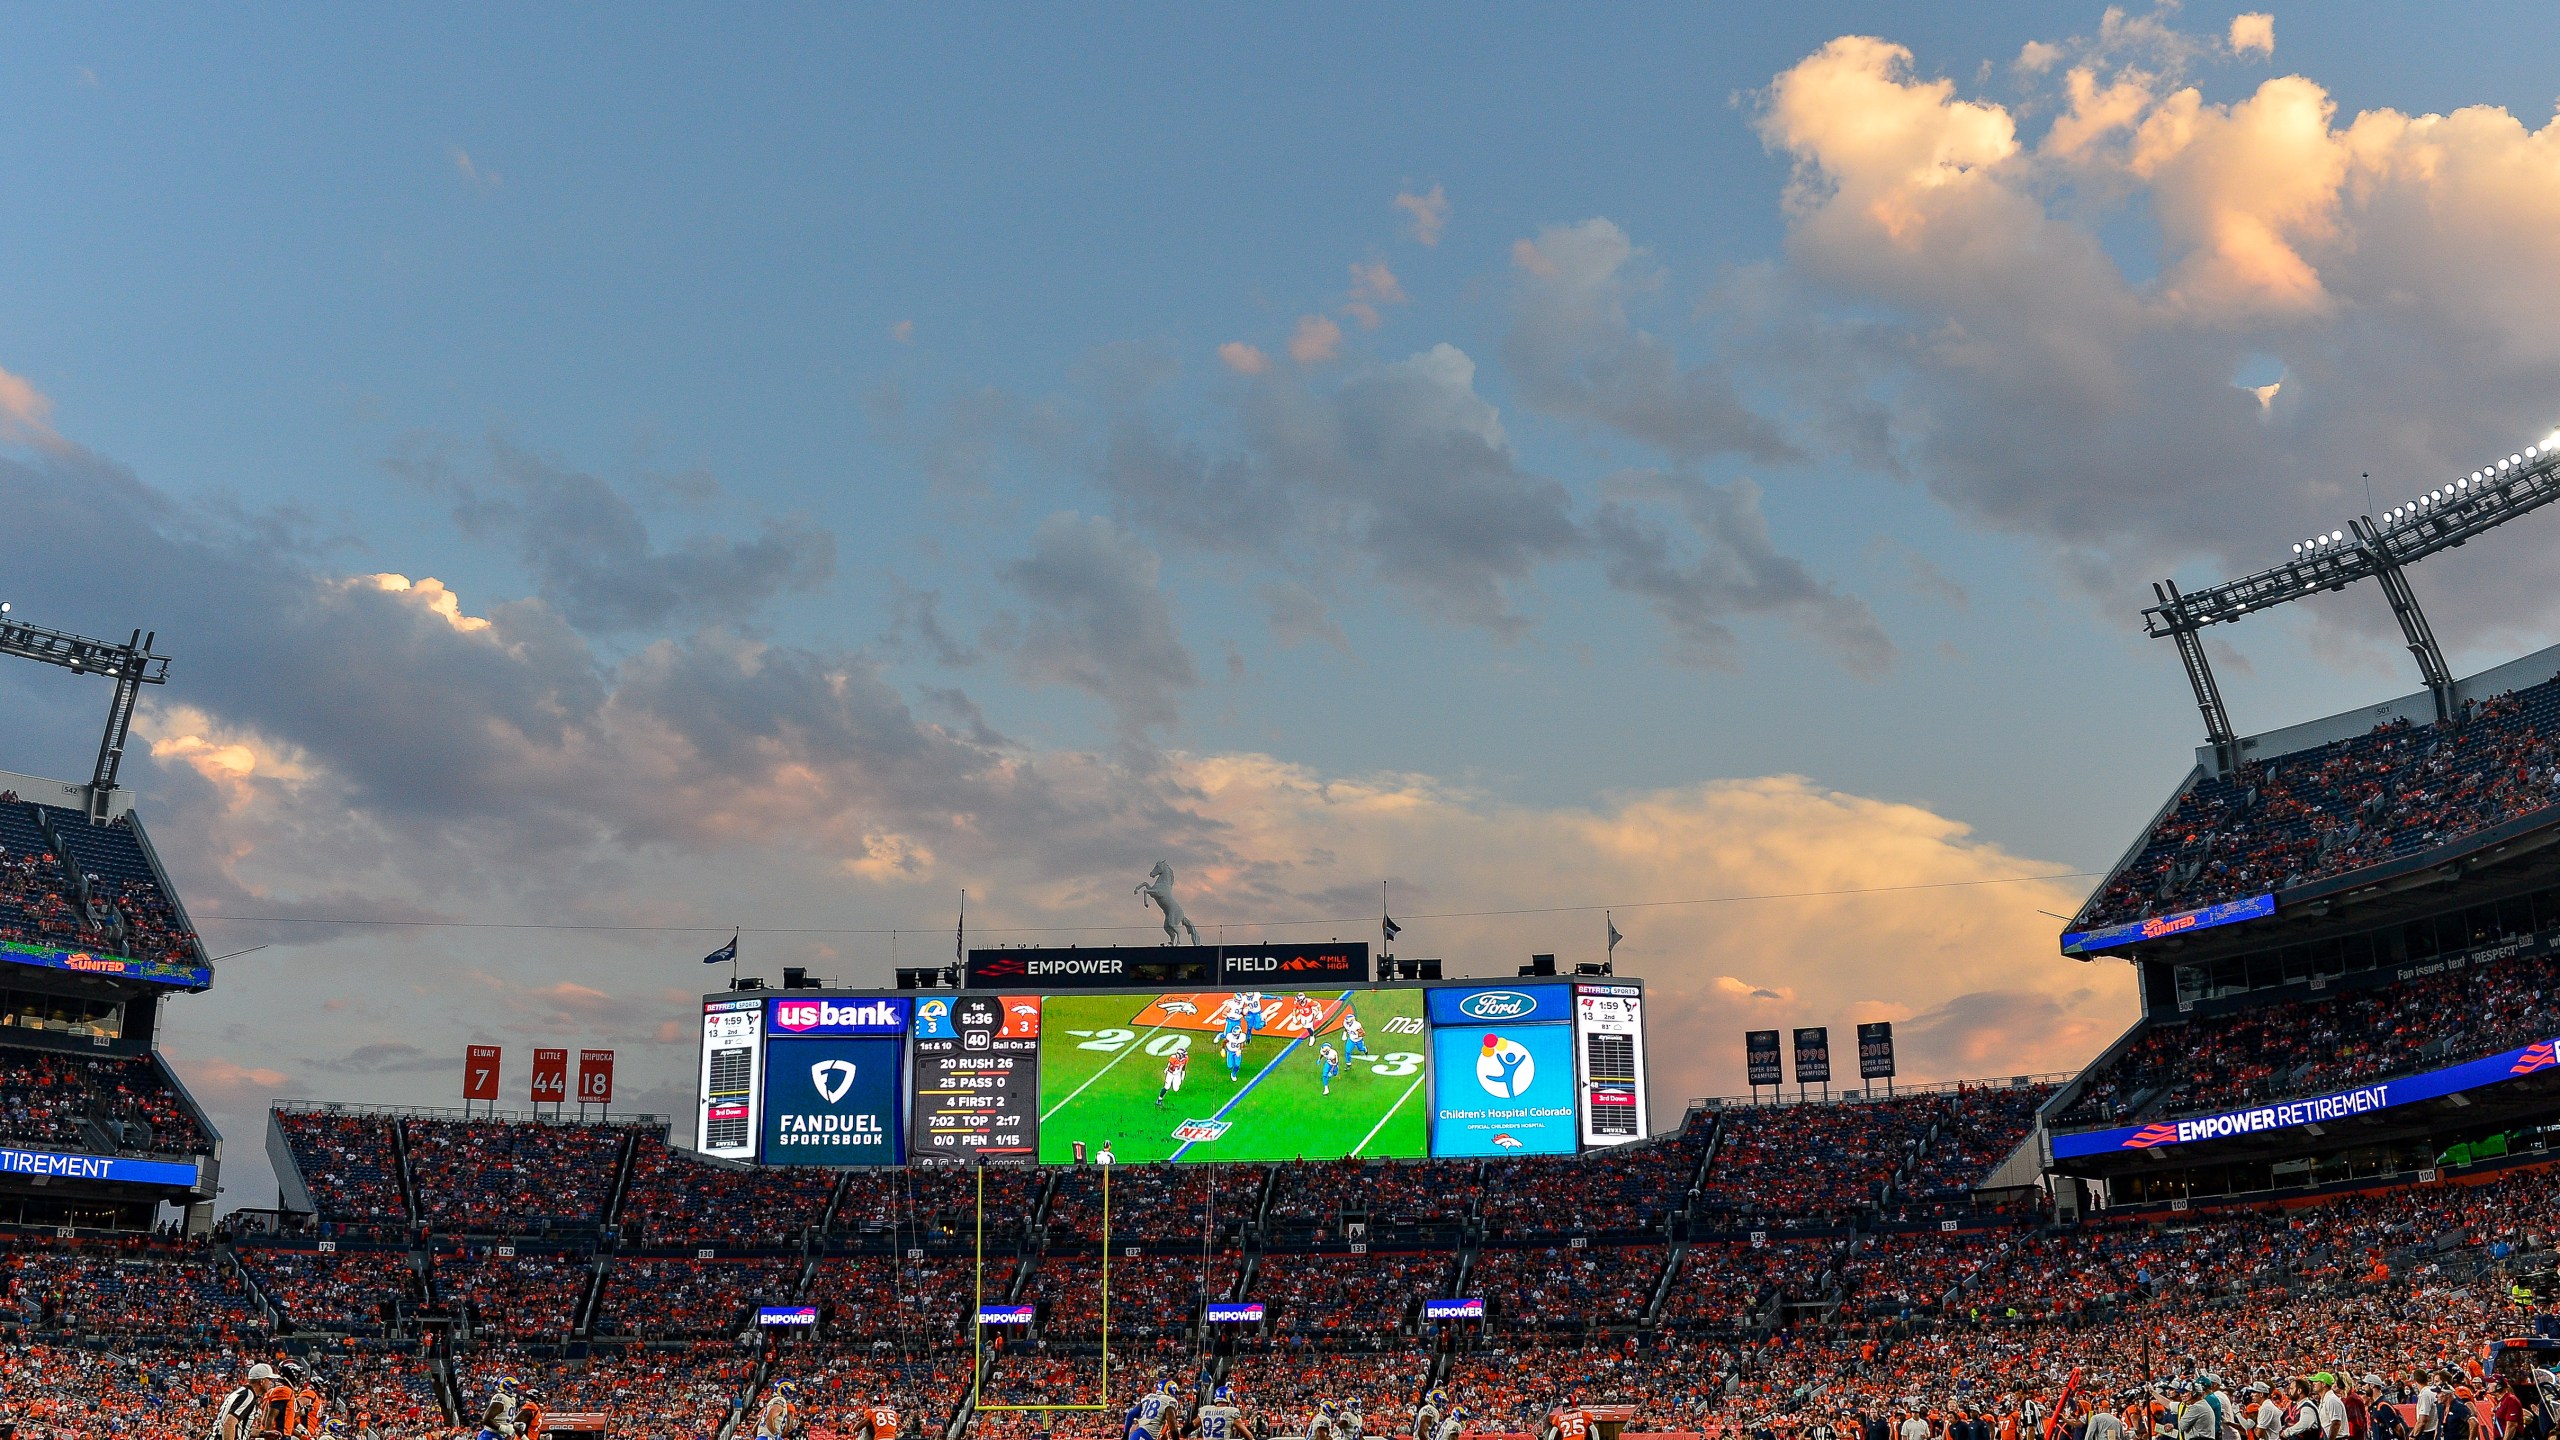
x=1373 y=286
x=2045 y=373
x=1242 y=358
x=2253 y=33
x=590 y=554
x=1723 y=567
x=1574 y=352
x=391 y=1057
x=1296 y=616
x=471 y=172
x=1316 y=341
x=1745 y=990
x=1426 y=214
x=1100 y=621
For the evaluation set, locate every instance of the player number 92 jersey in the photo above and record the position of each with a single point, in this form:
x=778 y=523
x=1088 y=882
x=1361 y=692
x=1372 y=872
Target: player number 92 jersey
x=1221 y=1422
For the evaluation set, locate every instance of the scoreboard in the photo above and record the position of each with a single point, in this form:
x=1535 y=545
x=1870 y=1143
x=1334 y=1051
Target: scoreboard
x=977 y=1079
x=1298 y=1061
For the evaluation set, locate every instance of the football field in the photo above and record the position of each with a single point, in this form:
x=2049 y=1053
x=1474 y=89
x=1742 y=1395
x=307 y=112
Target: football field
x=1102 y=1059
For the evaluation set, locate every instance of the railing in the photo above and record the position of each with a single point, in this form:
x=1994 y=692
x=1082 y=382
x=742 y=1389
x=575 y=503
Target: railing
x=430 y=1112
x=1875 y=1096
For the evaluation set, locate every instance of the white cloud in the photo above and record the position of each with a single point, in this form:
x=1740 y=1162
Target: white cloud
x=1316 y=341
x=1426 y=214
x=2253 y=33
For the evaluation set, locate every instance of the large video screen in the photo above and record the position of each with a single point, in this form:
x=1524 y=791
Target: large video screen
x=1235 y=1076
x=1503 y=1059
x=833 y=1100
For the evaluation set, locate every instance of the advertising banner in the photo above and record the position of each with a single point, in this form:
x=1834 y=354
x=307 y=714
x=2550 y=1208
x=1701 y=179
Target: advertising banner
x=1813 y=1056
x=786 y=1315
x=53 y=1165
x=2229 y=912
x=1167 y=967
x=977 y=1079
x=480 y=1072
x=1875 y=1050
x=1502 y=1090
x=2337 y=1105
x=595 y=1077
x=832 y=1101
x=1608 y=1038
x=1235 y=1075
x=550 y=1076
x=1235 y=1312
x=819 y=1015
x=1470 y=1308
x=732 y=1078
x=1506 y=1004
x=1007 y=1314
x=85 y=962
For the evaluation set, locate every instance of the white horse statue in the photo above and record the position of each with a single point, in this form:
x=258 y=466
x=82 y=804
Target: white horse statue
x=1158 y=887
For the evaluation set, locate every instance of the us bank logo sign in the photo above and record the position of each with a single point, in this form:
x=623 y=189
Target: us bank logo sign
x=833 y=1101
x=815 y=1016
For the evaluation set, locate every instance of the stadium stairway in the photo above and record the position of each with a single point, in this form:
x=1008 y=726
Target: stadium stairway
x=621 y=1174
x=400 y=1154
x=582 y=1317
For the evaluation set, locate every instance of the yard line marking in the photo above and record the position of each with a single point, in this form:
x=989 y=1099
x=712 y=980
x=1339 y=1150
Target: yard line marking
x=1138 y=1044
x=1390 y=1115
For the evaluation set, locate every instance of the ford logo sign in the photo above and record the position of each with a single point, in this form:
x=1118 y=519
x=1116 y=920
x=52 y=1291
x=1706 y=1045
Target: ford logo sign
x=1497 y=1005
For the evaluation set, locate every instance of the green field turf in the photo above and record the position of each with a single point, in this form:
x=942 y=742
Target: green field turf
x=1099 y=1074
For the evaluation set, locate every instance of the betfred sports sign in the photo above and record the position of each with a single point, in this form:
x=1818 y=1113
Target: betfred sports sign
x=815 y=1015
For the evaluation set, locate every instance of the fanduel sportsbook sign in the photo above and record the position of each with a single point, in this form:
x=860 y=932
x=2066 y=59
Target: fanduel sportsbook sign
x=832 y=1101
x=2338 y=1105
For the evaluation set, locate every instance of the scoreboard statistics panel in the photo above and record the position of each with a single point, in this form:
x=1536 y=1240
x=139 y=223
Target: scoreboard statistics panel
x=1109 y=1066
x=732 y=1089
x=977 y=1079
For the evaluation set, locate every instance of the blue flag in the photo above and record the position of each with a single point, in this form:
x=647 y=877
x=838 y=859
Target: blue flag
x=724 y=954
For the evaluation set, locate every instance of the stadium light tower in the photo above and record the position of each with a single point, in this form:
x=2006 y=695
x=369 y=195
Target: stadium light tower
x=131 y=665
x=2442 y=519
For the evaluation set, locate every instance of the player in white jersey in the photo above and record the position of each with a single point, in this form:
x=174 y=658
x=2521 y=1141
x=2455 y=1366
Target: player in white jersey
x=1232 y=1043
x=1355 y=1040
x=1155 y=1414
x=780 y=1415
x=1322 y=1425
x=1426 y=1420
x=1249 y=1010
x=1452 y=1425
x=1332 y=1065
x=1350 y=1424
x=1220 y=1419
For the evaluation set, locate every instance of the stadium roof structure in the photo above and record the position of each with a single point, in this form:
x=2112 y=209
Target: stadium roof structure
x=2444 y=518
x=131 y=665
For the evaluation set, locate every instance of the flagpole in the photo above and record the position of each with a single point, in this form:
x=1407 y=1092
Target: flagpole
x=733 y=958
x=960 y=937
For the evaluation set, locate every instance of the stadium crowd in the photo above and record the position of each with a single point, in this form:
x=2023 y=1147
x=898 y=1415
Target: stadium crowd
x=690 y=1299
x=345 y=1290
x=39 y=893
x=676 y=1201
x=525 y=1295
x=47 y=1099
x=2400 y=789
x=2323 y=1041
x=348 y=1163
x=498 y=1176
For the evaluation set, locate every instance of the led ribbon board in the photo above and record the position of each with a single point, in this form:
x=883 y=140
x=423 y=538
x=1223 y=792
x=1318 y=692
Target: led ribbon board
x=2337 y=1105
x=2184 y=922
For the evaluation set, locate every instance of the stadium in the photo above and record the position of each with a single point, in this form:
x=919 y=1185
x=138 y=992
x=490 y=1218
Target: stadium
x=1000 y=1199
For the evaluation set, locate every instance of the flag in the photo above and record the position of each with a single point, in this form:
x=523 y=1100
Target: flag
x=1388 y=926
x=1614 y=936
x=724 y=954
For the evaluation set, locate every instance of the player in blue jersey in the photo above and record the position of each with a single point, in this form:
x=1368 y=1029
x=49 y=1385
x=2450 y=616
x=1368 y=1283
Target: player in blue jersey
x=1232 y=1043
x=1332 y=1067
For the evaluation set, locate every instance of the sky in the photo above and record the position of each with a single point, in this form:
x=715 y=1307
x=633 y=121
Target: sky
x=606 y=477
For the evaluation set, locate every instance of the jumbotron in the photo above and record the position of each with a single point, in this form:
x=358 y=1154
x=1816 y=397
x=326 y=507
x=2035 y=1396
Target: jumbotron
x=1154 y=1193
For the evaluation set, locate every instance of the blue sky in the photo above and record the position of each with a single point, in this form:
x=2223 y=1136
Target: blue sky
x=891 y=343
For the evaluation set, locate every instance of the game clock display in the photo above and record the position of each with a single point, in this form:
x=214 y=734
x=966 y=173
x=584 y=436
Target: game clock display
x=977 y=1079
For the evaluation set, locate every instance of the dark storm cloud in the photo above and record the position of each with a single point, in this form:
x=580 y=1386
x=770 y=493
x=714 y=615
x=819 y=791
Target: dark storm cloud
x=1099 y=621
x=590 y=554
